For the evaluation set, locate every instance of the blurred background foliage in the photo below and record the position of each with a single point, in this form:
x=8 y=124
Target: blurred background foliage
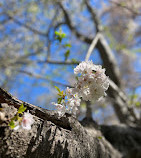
x=38 y=50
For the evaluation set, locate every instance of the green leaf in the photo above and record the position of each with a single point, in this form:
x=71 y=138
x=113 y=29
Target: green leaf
x=67 y=45
x=67 y=54
x=12 y=124
x=76 y=78
x=61 y=93
x=138 y=104
x=59 y=35
x=134 y=96
x=59 y=100
x=58 y=89
x=15 y=118
x=74 y=60
x=21 y=108
x=63 y=35
x=99 y=137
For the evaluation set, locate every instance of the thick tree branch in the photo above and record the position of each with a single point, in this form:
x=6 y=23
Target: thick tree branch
x=51 y=136
x=43 y=114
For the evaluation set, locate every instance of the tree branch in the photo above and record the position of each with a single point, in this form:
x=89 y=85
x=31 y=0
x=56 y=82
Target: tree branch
x=42 y=77
x=72 y=27
x=135 y=12
x=26 y=26
x=59 y=62
x=92 y=46
x=96 y=20
x=51 y=136
x=88 y=110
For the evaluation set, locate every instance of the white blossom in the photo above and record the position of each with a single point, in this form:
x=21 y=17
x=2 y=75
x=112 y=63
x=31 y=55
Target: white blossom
x=27 y=121
x=69 y=92
x=92 y=82
x=60 y=108
x=73 y=100
x=17 y=127
x=84 y=67
x=2 y=116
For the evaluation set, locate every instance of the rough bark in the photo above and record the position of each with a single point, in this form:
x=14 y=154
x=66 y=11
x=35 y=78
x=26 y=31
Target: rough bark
x=51 y=137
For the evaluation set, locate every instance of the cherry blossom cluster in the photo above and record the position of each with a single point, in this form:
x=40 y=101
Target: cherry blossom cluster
x=69 y=103
x=91 y=84
x=25 y=122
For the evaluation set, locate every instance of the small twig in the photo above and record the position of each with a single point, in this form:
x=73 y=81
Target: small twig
x=92 y=46
x=42 y=77
x=72 y=27
x=25 y=25
x=94 y=16
x=126 y=7
x=59 y=62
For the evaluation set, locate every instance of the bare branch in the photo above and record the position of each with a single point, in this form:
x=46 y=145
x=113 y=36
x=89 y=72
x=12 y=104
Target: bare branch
x=42 y=77
x=92 y=46
x=96 y=20
x=135 y=12
x=59 y=62
x=26 y=26
x=72 y=27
